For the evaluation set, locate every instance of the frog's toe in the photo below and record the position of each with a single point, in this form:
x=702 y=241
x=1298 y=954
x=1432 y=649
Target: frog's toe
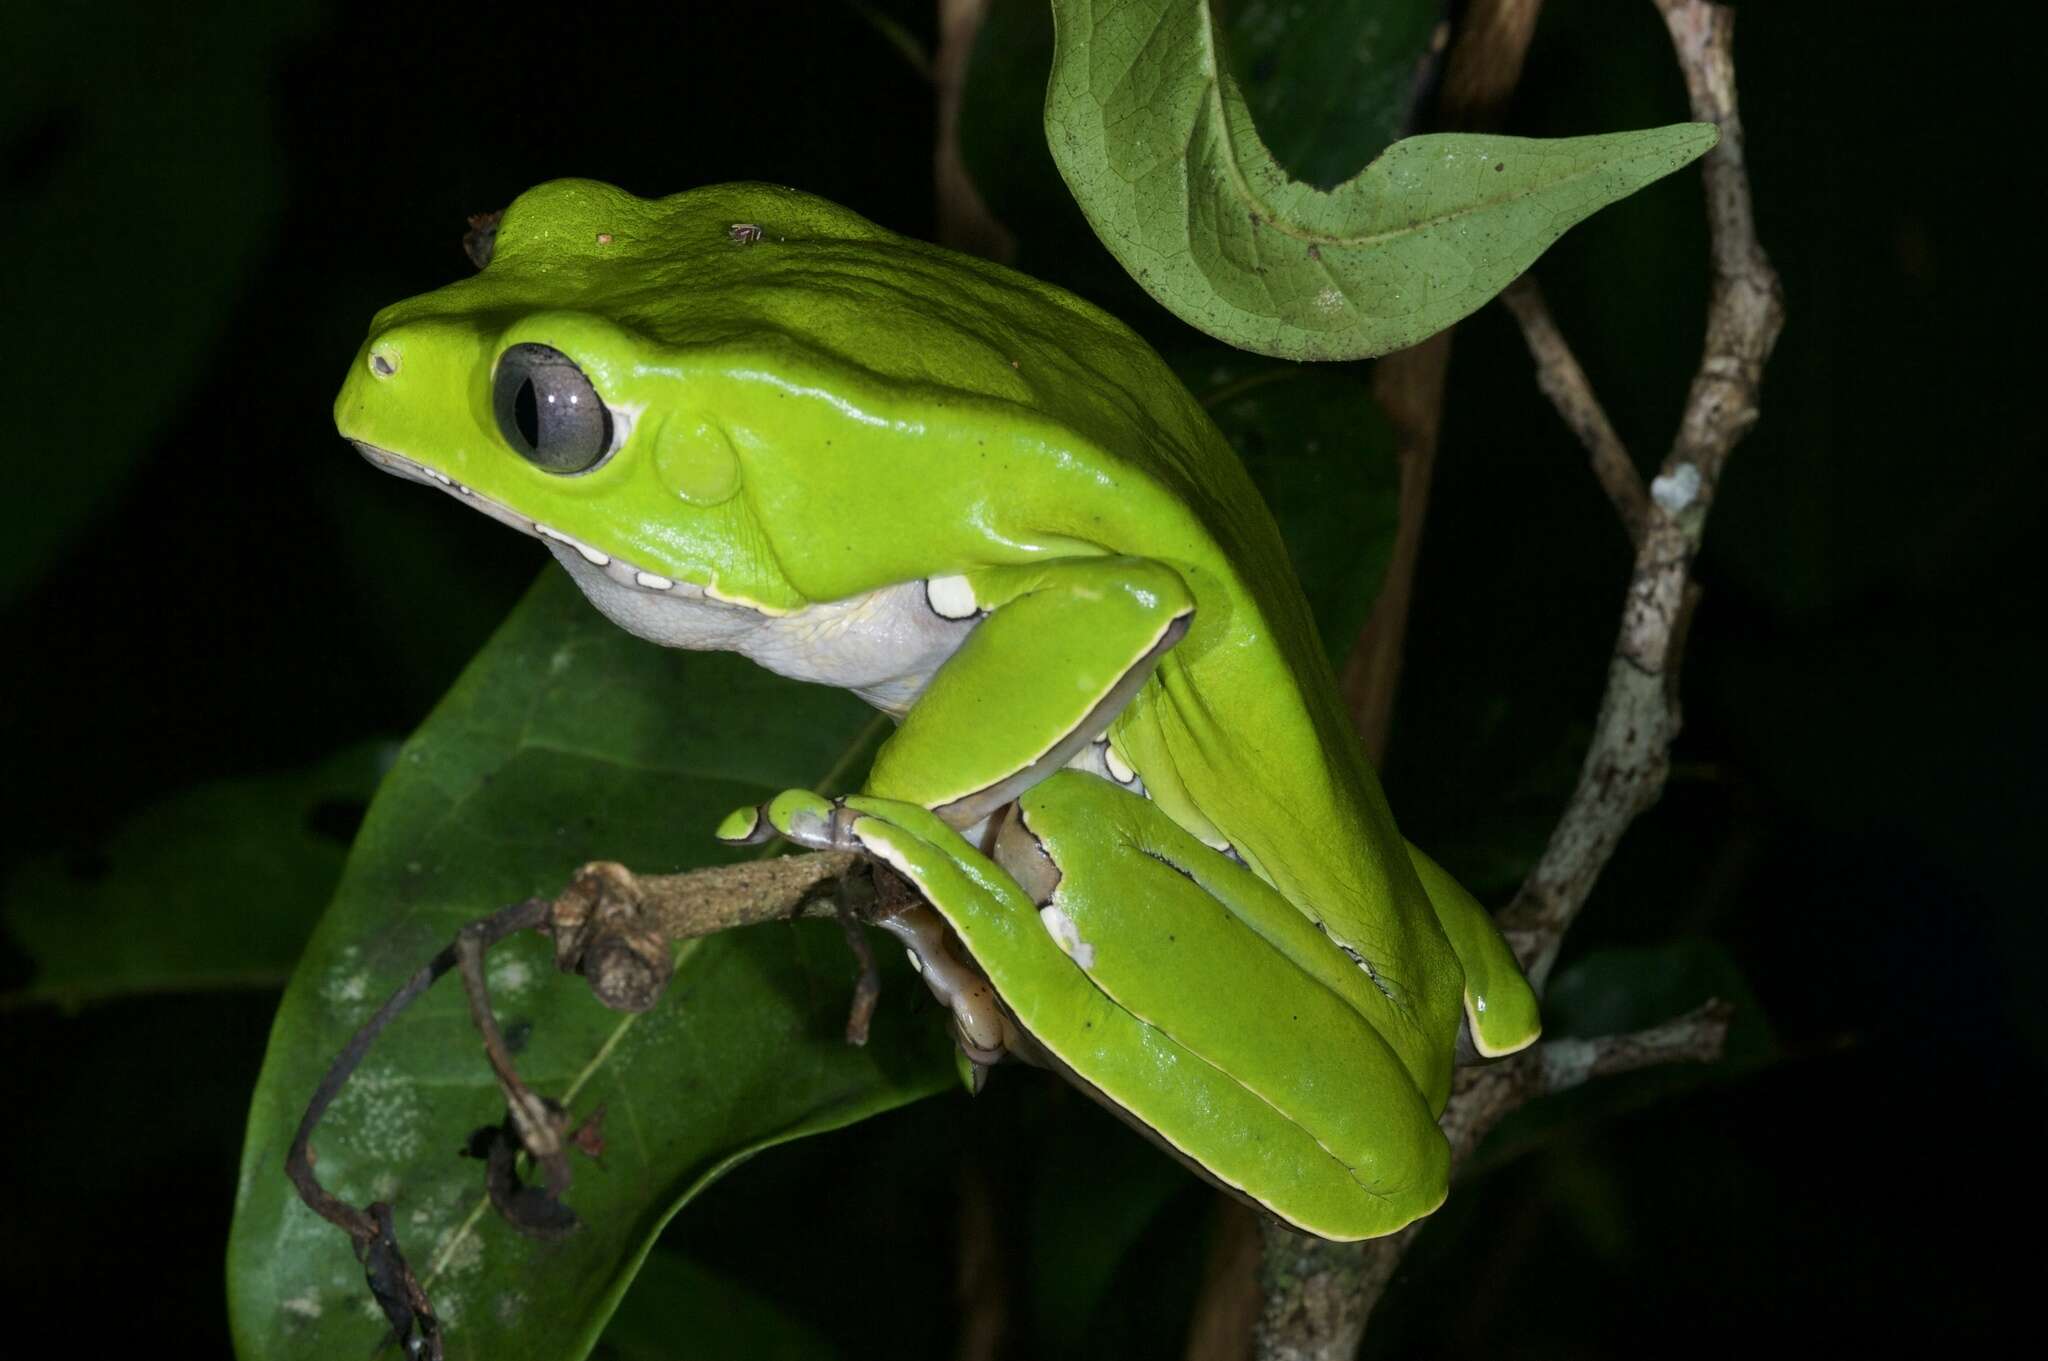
x=796 y=814
x=745 y=827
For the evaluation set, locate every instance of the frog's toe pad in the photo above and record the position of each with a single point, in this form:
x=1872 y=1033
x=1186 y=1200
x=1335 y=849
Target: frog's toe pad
x=1495 y=1031
x=745 y=827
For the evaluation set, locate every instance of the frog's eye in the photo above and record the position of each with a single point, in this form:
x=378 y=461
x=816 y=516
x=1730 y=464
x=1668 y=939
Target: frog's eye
x=548 y=411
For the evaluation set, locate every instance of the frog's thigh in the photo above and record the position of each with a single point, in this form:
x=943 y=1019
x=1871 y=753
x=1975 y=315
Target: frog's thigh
x=1158 y=923
x=1501 y=1012
x=1064 y=646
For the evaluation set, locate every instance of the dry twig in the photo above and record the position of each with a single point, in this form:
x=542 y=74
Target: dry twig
x=370 y=1230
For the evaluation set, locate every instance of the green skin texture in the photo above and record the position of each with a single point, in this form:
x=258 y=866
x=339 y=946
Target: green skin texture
x=832 y=410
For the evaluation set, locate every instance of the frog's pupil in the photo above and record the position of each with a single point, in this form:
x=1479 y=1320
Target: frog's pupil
x=526 y=414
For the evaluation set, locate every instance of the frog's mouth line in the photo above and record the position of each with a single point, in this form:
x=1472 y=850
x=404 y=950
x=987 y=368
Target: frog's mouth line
x=618 y=569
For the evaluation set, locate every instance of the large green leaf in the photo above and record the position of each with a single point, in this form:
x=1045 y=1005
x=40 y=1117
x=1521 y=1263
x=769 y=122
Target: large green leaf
x=1158 y=147
x=564 y=741
x=217 y=886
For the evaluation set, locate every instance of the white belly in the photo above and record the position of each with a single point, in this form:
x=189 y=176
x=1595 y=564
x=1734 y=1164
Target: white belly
x=884 y=646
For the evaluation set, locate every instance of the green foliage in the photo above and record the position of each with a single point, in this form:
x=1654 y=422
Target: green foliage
x=681 y=1311
x=565 y=741
x=1157 y=145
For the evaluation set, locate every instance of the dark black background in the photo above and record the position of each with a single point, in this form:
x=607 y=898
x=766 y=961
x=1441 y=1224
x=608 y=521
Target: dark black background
x=201 y=210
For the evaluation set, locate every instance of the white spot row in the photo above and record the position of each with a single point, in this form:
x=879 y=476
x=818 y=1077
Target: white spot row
x=623 y=572
x=590 y=555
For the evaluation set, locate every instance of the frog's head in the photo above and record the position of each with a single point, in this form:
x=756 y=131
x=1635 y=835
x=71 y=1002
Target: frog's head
x=552 y=391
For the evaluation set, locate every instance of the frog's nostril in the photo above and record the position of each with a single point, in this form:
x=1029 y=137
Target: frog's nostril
x=384 y=361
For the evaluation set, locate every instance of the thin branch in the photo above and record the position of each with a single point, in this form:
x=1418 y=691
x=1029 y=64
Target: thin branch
x=1562 y=380
x=1320 y=1296
x=1699 y=1036
x=1628 y=760
x=1409 y=386
x=1483 y=1096
x=861 y=1013
x=530 y=1115
x=1747 y=309
x=607 y=901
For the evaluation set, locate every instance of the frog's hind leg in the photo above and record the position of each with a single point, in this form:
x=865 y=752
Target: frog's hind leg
x=1256 y=1041
x=1174 y=984
x=1501 y=1011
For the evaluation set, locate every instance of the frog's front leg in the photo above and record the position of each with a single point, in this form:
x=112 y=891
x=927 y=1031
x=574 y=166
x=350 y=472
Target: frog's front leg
x=1063 y=647
x=1060 y=649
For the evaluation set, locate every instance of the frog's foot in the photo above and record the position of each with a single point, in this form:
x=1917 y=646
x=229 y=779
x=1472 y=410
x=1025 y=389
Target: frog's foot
x=930 y=863
x=926 y=856
x=1502 y=1014
x=796 y=815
